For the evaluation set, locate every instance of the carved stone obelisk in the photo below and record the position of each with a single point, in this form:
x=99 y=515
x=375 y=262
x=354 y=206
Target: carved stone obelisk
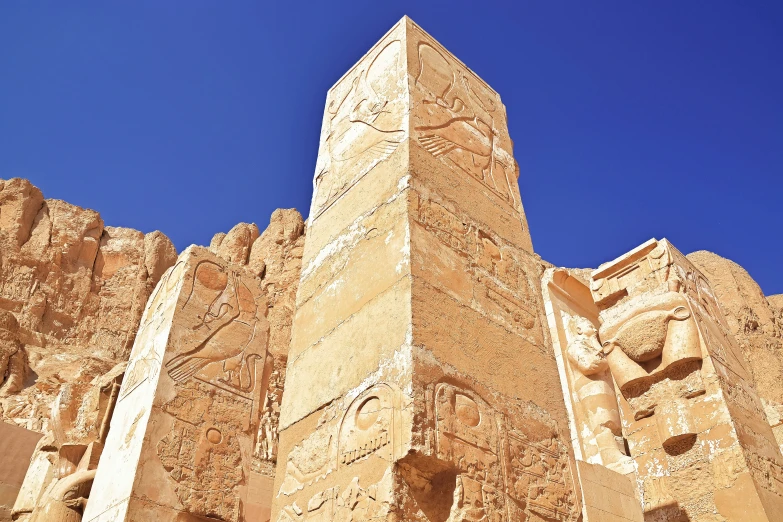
x=183 y=430
x=420 y=385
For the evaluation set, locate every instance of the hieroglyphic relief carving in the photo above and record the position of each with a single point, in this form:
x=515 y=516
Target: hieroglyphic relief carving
x=220 y=371
x=353 y=503
x=505 y=283
x=511 y=465
x=363 y=124
x=265 y=451
x=202 y=453
x=457 y=118
x=368 y=428
x=648 y=265
x=230 y=334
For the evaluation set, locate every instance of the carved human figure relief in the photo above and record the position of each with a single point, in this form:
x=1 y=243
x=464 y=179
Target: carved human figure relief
x=595 y=390
x=509 y=465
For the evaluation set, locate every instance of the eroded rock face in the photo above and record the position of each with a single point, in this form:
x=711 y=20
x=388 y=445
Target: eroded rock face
x=72 y=292
x=757 y=324
x=76 y=289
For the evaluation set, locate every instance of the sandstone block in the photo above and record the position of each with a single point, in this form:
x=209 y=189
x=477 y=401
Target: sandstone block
x=418 y=363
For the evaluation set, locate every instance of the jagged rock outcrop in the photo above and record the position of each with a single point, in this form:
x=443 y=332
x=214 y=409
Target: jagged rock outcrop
x=757 y=323
x=76 y=289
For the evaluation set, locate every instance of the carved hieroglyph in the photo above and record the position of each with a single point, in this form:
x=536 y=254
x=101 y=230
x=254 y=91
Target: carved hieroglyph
x=418 y=375
x=364 y=123
x=186 y=421
x=690 y=414
x=460 y=120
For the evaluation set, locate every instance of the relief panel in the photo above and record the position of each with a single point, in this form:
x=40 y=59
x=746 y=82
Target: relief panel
x=511 y=464
x=364 y=122
x=503 y=284
x=460 y=120
x=219 y=371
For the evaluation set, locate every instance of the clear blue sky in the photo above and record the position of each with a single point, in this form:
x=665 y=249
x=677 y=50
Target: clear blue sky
x=630 y=120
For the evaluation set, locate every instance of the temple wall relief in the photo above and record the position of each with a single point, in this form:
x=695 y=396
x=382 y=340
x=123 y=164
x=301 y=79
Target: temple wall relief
x=186 y=423
x=696 y=435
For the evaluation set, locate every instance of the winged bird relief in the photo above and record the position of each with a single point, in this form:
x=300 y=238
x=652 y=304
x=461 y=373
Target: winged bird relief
x=456 y=120
x=231 y=330
x=363 y=125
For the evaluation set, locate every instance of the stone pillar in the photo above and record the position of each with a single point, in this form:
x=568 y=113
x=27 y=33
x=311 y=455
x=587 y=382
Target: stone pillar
x=184 y=426
x=420 y=383
x=691 y=415
x=16 y=449
x=606 y=473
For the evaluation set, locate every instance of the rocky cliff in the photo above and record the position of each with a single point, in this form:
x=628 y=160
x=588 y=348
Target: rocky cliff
x=72 y=291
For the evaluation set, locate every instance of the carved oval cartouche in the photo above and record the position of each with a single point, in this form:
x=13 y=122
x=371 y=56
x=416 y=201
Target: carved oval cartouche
x=214 y=436
x=368 y=412
x=466 y=410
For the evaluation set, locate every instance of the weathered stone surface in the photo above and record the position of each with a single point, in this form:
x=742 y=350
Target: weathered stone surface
x=418 y=367
x=75 y=287
x=275 y=258
x=435 y=368
x=16 y=447
x=757 y=324
x=197 y=418
x=186 y=420
x=692 y=419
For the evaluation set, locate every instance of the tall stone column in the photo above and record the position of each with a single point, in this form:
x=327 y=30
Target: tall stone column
x=420 y=384
x=182 y=432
